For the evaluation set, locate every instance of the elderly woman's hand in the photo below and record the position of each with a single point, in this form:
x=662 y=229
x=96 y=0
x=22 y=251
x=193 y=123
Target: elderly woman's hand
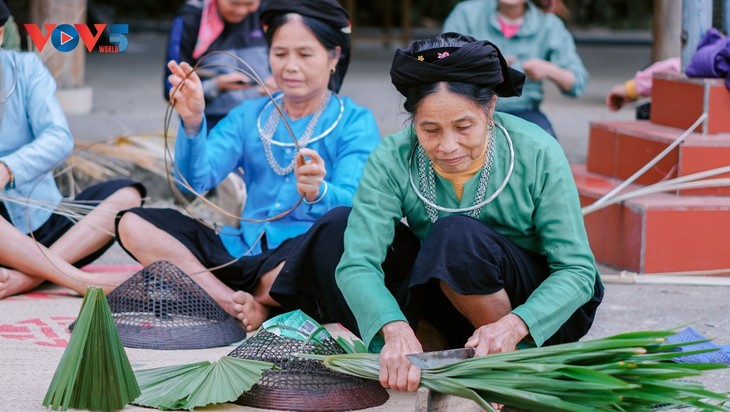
x=310 y=174
x=500 y=336
x=188 y=99
x=396 y=371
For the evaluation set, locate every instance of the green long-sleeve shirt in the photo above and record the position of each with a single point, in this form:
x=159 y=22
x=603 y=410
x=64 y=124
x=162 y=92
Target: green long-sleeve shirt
x=538 y=210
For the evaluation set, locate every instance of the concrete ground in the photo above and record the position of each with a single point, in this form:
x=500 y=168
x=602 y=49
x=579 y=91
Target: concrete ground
x=128 y=100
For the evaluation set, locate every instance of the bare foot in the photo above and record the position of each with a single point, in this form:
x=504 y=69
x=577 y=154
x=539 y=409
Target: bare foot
x=107 y=281
x=13 y=282
x=250 y=312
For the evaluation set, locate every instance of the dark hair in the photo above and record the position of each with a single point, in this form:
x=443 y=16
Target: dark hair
x=480 y=95
x=328 y=36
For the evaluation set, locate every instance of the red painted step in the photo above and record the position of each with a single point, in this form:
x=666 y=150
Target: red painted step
x=677 y=101
x=618 y=149
x=656 y=233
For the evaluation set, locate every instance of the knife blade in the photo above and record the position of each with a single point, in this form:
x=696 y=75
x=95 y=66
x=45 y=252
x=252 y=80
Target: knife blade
x=434 y=359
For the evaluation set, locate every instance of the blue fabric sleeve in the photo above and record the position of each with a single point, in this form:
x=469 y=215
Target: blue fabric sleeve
x=53 y=142
x=204 y=160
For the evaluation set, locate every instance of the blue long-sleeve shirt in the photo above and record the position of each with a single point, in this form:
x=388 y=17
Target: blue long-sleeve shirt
x=206 y=159
x=34 y=138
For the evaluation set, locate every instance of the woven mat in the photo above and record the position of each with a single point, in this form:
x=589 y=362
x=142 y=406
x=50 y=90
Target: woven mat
x=33 y=336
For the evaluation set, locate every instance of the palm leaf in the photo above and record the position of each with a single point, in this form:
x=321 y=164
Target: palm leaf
x=199 y=384
x=94 y=372
x=623 y=372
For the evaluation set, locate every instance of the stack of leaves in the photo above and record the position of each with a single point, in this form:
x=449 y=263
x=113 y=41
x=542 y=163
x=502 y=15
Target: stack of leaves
x=198 y=384
x=94 y=372
x=627 y=372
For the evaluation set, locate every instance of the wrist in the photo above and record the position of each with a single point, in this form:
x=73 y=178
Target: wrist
x=191 y=127
x=517 y=325
x=631 y=92
x=396 y=328
x=7 y=176
x=322 y=193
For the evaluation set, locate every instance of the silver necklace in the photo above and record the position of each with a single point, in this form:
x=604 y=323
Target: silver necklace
x=313 y=139
x=427 y=179
x=267 y=135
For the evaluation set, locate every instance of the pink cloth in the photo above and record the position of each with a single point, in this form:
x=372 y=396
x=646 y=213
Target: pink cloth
x=509 y=29
x=642 y=79
x=211 y=26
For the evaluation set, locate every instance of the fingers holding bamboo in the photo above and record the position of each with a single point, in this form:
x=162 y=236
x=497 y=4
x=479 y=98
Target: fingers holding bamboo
x=186 y=94
x=310 y=172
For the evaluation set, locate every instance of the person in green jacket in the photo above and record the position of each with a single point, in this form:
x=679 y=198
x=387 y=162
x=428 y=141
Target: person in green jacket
x=534 y=41
x=494 y=253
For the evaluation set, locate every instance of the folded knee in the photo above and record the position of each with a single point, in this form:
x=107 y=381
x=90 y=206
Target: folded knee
x=128 y=226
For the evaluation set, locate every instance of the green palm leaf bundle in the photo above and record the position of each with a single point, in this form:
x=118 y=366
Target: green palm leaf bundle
x=198 y=384
x=94 y=372
x=627 y=372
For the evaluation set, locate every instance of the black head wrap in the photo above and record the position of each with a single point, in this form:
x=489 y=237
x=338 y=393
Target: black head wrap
x=4 y=13
x=477 y=62
x=326 y=11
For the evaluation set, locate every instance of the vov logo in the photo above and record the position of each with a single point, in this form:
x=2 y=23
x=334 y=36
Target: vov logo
x=65 y=37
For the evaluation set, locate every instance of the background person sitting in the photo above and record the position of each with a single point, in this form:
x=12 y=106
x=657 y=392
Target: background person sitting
x=534 y=41
x=34 y=139
x=203 y=26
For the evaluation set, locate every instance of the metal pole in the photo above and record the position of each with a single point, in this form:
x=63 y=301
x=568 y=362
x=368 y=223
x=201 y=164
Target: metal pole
x=726 y=16
x=696 y=21
x=667 y=29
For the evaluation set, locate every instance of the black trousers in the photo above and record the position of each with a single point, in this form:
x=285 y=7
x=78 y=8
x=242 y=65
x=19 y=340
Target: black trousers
x=469 y=256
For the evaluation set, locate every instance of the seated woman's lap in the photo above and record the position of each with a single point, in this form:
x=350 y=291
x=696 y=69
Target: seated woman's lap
x=205 y=244
x=472 y=259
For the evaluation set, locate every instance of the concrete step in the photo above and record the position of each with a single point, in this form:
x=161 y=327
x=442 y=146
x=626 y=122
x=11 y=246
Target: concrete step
x=617 y=149
x=656 y=233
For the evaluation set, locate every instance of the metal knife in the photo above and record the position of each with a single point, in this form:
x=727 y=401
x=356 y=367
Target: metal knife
x=434 y=359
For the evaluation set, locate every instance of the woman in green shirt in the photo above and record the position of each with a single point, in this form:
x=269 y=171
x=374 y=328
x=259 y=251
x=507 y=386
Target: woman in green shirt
x=494 y=253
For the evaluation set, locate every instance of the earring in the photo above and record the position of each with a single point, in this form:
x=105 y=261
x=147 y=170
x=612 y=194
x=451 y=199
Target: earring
x=333 y=70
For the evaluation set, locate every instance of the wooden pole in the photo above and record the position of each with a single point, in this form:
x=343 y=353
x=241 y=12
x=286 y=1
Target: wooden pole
x=406 y=22
x=696 y=21
x=666 y=29
x=68 y=68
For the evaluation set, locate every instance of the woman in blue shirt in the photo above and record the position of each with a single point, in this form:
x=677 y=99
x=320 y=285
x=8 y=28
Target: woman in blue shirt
x=34 y=139
x=309 y=54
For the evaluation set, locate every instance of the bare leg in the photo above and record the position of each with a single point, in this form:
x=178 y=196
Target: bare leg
x=88 y=235
x=254 y=308
x=148 y=244
x=31 y=259
x=97 y=228
x=479 y=310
